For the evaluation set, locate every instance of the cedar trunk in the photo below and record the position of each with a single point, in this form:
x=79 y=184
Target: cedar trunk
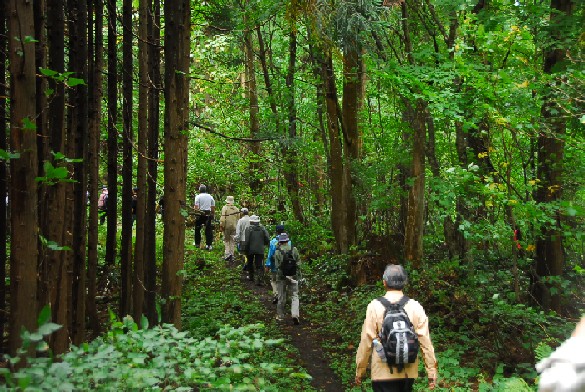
x=177 y=44
x=23 y=187
x=3 y=178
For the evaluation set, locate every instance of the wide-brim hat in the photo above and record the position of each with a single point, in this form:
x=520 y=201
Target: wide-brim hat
x=254 y=219
x=283 y=237
x=229 y=200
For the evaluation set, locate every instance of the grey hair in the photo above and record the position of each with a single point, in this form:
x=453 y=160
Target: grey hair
x=395 y=276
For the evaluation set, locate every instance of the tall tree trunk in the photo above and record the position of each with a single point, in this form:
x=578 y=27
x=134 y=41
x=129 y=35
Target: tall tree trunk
x=3 y=178
x=95 y=76
x=79 y=133
x=415 y=113
x=549 y=246
x=150 y=272
x=54 y=275
x=252 y=95
x=143 y=48
x=290 y=154
x=413 y=239
x=338 y=207
x=352 y=89
x=126 y=237
x=177 y=45
x=112 y=140
x=23 y=187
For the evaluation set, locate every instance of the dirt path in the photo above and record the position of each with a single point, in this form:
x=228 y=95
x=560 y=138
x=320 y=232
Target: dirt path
x=305 y=338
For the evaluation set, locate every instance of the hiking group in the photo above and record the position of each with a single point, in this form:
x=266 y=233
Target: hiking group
x=245 y=233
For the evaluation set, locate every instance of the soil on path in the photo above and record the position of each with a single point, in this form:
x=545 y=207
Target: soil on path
x=305 y=337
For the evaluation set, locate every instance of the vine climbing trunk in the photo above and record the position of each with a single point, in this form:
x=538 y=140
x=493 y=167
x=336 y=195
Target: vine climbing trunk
x=252 y=95
x=3 y=171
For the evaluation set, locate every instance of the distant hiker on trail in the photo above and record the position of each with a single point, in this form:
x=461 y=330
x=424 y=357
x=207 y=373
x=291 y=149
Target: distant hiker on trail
x=227 y=224
x=270 y=265
x=205 y=204
x=255 y=239
x=134 y=203
x=103 y=205
x=287 y=261
x=399 y=378
x=241 y=227
x=564 y=369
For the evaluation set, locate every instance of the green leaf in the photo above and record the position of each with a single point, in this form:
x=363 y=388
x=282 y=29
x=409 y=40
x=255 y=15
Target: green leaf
x=5 y=155
x=49 y=328
x=28 y=124
x=44 y=315
x=72 y=82
x=48 y=72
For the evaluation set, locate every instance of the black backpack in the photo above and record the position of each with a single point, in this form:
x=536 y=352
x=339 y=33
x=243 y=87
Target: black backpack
x=288 y=265
x=397 y=336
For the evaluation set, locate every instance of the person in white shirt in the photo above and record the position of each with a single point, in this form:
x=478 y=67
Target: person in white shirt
x=205 y=204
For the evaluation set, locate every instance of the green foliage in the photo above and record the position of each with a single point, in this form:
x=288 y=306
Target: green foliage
x=131 y=358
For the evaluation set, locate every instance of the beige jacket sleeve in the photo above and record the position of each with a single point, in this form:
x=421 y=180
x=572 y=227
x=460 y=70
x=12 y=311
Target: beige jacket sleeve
x=369 y=333
x=424 y=338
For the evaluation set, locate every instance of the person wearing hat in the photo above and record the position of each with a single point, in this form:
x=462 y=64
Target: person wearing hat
x=255 y=239
x=383 y=377
x=205 y=204
x=286 y=283
x=270 y=265
x=241 y=227
x=227 y=224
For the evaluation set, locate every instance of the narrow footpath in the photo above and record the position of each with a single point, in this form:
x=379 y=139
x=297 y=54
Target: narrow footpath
x=304 y=338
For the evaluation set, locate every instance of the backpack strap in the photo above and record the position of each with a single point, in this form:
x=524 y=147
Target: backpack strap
x=400 y=304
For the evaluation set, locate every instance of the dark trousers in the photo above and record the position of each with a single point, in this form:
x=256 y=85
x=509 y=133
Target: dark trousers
x=256 y=267
x=203 y=220
x=401 y=385
x=102 y=214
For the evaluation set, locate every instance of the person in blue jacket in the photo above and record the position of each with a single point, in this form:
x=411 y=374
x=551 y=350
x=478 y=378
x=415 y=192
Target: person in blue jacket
x=270 y=266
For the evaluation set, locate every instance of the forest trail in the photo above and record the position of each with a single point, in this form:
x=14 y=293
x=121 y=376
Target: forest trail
x=305 y=337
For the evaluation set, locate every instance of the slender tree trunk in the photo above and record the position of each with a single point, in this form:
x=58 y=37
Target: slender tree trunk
x=23 y=187
x=54 y=276
x=290 y=154
x=79 y=133
x=153 y=133
x=549 y=246
x=143 y=48
x=252 y=94
x=112 y=142
x=413 y=239
x=177 y=45
x=3 y=178
x=333 y=115
x=352 y=89
x=415 y=113
x=126 y=237
x=96 y=63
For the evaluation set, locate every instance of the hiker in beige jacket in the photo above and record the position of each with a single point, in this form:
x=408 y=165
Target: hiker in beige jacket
x=227 y=224
x=383 y=378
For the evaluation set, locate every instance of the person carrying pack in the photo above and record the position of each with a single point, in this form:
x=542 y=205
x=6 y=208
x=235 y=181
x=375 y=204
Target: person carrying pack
x=256 y=238
x=391 y=334
x=287 y=261
x=270 y=266
x=103 y=205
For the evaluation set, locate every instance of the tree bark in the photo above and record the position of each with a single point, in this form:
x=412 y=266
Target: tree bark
x=3 y=177
x=95 y=118
x=252 y=94
x=143 y=48
x=127 y=110
x=112 y=139
x=549 y=247
x=79 y=140
x=177 y=45
x=23 y=187
x=150 y=272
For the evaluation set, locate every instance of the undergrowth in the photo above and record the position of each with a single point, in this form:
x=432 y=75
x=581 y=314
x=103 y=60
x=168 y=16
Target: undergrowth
x=483 y=340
